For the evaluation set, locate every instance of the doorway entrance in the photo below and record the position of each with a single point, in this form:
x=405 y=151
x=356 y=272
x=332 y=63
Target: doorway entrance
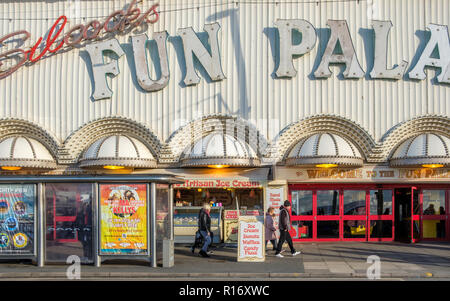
x=376 y=212
x=407 y=214
x=403 y=214
x=341 y=213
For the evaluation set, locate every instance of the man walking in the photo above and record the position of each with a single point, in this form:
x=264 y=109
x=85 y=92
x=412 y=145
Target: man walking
x=284 y=226
x=204 y=225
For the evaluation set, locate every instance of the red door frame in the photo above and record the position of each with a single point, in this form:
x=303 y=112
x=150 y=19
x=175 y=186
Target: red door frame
x=354 y=217
x=319 y=218
x=340 y=218
x=415 y=217
x=382 y=217
x=372 y=186
x=306 y=218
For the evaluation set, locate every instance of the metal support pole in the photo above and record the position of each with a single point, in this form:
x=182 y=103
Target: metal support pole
x=96 y=225
x=149 y=229
x=153 y=224
x=41 y=226
x=171 y=236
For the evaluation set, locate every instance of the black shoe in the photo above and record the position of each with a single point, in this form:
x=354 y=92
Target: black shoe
x=192 y=249
x=203 y=254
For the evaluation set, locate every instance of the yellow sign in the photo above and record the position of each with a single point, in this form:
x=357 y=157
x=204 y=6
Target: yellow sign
x=123 y=219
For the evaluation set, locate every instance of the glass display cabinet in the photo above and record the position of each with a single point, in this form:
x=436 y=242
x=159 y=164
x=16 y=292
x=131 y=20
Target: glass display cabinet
x=185 y=222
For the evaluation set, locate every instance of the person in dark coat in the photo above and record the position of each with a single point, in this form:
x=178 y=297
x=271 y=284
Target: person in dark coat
x=270 y=230
x=204 y=226
x=284 y=225
x=83 y=222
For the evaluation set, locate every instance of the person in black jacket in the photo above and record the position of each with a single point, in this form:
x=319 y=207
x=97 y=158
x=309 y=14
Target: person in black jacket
x=284 y=225
x=204 y=226
x=83 y=224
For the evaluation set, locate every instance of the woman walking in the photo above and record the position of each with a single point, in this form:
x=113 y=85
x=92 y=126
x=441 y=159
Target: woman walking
x=270 y=228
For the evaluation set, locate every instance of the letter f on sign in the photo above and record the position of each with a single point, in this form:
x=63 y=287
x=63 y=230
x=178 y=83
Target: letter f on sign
x=100 y=69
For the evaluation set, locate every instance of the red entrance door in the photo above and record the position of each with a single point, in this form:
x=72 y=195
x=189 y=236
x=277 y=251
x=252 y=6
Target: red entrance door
x=370 y=212
x=349 y=213
x=415 y=214
x=381 y=215
x=328 y=214
x=316 y=214
x=354 y=215
x=302 y=214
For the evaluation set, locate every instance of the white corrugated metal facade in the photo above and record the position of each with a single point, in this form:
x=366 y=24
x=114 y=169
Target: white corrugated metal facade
x=55 y=92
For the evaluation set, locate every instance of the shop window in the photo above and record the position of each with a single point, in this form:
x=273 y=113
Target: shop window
x=327 y=202
x=303 y=229
x=354 y=229
x=381 y=202
x=354 y=202
x=302 y=202
x=433 y=228
x=381 y=229
x=434 y=202
x=69 y=222
x=327 y=229
x=17 y=218
x=248 y=199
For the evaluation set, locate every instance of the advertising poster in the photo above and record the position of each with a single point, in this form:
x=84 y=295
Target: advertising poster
x=231 y=226
x=251 y=239
x=123 y=219
x=17 y=219
x=275 y=198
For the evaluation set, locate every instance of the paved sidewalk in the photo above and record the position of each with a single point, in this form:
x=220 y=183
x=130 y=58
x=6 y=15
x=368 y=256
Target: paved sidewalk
x=420 y=260
x=318 y=261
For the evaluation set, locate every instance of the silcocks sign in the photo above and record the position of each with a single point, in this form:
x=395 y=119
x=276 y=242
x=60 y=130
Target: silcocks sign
x=118 y=21
x=339 y=50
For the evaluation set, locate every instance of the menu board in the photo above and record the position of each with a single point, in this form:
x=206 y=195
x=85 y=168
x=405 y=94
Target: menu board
x=251 y=239
x=17 y=219
x=123 y=219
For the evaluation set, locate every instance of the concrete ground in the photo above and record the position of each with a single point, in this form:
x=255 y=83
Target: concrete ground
x=342 y=260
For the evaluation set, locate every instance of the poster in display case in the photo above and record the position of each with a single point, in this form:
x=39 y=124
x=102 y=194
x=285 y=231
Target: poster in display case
x=17 y=218
x=123 y=210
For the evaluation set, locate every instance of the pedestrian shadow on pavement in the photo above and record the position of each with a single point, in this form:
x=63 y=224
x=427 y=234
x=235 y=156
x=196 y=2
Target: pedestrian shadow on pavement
x=218 y=254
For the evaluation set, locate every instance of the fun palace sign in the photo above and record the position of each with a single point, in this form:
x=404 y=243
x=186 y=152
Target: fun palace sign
x=97 y=37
